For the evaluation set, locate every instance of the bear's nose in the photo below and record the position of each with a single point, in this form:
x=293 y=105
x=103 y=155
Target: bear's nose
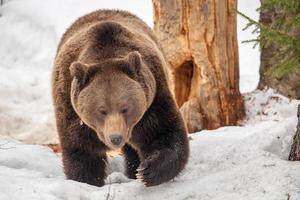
x=116 y=139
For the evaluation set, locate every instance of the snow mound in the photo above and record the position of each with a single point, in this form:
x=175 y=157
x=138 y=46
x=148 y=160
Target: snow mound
x=268 y=105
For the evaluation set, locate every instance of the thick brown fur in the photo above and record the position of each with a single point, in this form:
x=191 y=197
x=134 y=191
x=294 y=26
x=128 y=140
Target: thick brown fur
x=116 y=45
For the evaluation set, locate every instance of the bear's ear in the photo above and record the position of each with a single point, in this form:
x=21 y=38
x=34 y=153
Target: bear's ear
x=79 y=71
x=135 y=60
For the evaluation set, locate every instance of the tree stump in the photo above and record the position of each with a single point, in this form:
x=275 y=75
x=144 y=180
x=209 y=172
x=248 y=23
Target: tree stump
x=199 y=38
x=295 y=150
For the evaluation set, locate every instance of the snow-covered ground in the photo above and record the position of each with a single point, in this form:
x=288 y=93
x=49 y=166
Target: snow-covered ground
x=230 y=163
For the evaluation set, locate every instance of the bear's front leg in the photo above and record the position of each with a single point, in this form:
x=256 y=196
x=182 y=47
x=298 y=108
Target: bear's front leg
x=84 y=155
x=85 y=167
x=165 y=148
x=132 y=161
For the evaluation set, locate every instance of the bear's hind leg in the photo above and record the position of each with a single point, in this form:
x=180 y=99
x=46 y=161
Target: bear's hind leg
x=132 y=161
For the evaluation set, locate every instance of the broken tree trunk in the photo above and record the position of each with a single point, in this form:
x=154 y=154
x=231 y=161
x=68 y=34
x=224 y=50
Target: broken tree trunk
x=295 y=151
x=199 y=38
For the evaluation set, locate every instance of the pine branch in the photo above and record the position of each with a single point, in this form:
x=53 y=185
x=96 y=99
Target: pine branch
x=264 y=27
x=283 y=34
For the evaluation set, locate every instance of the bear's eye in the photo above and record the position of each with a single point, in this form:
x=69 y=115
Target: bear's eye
x=103 y=112
x=124 y=110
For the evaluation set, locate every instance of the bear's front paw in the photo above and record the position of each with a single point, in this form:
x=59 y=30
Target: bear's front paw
x=157 y=168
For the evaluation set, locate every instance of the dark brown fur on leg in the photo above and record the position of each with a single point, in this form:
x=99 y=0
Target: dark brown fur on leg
x=132 y=161
x=164 y=142
x=84 y=155
x=84 y=166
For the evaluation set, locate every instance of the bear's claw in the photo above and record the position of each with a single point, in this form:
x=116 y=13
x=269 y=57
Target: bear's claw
x=151 y=171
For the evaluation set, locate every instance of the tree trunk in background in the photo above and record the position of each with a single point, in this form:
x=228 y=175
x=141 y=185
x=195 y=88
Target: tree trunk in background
x=295 y=151
x=288 y=85
x=199 y=38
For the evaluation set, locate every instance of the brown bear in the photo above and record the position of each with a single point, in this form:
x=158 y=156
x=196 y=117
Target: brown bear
x=110 y=90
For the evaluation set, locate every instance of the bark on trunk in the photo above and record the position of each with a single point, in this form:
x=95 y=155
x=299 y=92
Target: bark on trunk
x=295 y=150
x=199 y=39
x=289 y=84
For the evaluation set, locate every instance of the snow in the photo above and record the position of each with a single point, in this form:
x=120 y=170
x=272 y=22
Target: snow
x=246 y=162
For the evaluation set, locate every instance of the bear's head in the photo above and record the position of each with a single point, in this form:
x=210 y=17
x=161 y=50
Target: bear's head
x=111 y=97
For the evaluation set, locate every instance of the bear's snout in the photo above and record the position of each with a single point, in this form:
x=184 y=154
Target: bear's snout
x=115 y=131
x=116 y=139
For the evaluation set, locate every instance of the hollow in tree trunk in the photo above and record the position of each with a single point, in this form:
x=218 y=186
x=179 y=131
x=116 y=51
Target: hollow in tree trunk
x=199 y=38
